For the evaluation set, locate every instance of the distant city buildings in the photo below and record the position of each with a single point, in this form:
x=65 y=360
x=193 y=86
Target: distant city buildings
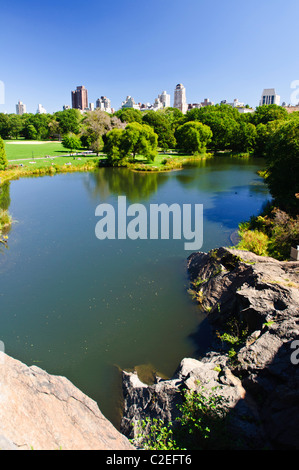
x=130 y=103
x=20 y=108
x=104 y=104
x=41 y=110
x=269 y=97
x=80 y=98
x=163 y=100
x=180 y=101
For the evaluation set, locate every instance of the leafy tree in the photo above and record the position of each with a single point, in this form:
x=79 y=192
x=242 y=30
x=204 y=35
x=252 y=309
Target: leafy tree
x=3 y=158
x=29 y=132
x=71 y=142
x=4 y=126
x=68 y=120
x=268 y=112
x=162 y=127
x=140 y=139
x=283 y=165
x=244 y=137
x=263 y=137
x=193 y=137
x=113 y=146
x=222 y=120
x=95 y=125
x=134 y=139
x=15 y=125
x=129 y=115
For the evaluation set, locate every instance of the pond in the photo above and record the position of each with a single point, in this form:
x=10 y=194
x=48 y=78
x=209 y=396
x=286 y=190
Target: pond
x=86 y=308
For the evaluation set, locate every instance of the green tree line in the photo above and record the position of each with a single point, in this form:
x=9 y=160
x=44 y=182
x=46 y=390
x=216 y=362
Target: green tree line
x=268 y=132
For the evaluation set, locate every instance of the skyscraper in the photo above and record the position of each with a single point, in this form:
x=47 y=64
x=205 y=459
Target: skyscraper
x=80 y=98
x=180 y=101
x=270 y=97
x=20 y=108
x=104 y=104
x=164 y=99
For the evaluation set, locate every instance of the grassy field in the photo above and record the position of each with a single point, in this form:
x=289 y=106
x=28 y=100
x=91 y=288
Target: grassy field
x=36 y=158
x=29 y=149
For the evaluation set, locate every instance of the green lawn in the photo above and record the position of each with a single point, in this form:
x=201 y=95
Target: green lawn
x=29 y=149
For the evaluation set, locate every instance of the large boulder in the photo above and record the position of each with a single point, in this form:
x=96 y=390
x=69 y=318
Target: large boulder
x=44 y=412
x=252 y=304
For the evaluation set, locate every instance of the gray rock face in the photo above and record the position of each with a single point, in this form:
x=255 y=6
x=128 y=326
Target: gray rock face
x=255 y=299
x=45 y=412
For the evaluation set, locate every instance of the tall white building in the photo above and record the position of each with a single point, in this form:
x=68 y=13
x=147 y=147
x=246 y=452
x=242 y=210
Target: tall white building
x=41 y=110
x=130 y=103
x=270 y=97
x=164 y=99
x=104 y=104
x=180 y=101
x=20 y=108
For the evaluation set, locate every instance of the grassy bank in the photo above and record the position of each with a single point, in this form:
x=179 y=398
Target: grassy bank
x=166 y=162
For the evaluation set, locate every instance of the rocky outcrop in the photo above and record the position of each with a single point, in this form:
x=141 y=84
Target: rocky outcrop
x=45 y=412
x=252 y=304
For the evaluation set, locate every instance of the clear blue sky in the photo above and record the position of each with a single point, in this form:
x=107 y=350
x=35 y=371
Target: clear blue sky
x=217 y=49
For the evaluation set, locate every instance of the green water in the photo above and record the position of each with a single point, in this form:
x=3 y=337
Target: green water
x=84 y=308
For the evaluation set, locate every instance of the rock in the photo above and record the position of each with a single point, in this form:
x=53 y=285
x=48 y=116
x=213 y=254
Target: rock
x=256 y=300
x=44 y=412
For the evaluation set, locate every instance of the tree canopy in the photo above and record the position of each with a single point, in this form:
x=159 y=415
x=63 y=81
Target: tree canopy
x=283 y=166
x=3 y=158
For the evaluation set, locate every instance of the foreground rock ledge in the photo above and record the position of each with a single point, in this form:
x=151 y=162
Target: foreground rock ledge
x=261 y=383
x=40 y=411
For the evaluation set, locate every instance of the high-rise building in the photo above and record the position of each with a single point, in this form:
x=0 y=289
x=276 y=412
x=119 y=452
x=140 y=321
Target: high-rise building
x=20 y=108
x=80 y=98
x=41 y=110
x=130 y=103
x=164 y=99
x=270 y=97
x=180 y=101
x=104 y=104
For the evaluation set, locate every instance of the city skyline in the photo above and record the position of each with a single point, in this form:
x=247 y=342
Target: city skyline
x=219 y=51
x=79 y=100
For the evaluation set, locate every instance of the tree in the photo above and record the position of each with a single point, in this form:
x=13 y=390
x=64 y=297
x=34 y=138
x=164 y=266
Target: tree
x=113 y=146
x=95 y=126
x=128 y=115
x=161 y=126
x=71 y=142
x=68 y=120
x=3 y=158
x=140 y=139
x=15 y=125
x=244 y=138
x=268 y=112
x=193 y=137
x=283 y=166
x=135 y=139
x=4 y=126
x=222 y=120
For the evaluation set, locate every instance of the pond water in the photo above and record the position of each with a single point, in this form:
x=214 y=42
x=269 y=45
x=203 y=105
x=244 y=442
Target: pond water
x=86 y=308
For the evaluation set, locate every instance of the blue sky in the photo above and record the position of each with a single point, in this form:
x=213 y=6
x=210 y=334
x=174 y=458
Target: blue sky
x=217 y=49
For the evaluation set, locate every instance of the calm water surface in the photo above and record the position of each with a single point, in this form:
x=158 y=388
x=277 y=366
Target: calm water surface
x=84 y=308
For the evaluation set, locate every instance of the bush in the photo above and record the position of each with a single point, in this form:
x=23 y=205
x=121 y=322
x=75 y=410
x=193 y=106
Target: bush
x=3 y=158
x=255 y=241
x=272 y=233
x=201 y=425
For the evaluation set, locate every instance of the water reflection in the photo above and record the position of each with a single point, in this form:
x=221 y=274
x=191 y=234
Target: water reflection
x=122 y=181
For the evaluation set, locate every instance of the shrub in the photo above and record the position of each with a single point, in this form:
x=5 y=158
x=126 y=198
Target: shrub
x=255 y=241
x=3 y=158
